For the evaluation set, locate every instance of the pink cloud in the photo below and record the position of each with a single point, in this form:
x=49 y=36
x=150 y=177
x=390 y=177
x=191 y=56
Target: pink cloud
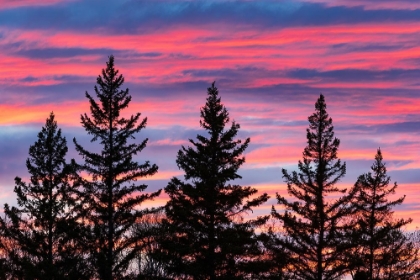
x=5 y=4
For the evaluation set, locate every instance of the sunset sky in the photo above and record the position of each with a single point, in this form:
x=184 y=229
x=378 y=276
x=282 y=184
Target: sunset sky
x=270 y=60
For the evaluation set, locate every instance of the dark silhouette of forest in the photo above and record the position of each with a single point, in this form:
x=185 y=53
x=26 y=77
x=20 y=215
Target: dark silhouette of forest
x=84 y=220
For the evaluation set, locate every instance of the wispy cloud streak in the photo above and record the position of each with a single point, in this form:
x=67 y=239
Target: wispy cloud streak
x=270 y=60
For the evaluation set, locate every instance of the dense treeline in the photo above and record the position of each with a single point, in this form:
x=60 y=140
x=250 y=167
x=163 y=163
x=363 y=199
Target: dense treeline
x=86 y=220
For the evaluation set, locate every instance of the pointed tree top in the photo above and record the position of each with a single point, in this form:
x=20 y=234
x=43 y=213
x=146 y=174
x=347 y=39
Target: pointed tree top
x=378 y=165
x=110 y=60
x=51 y=117
x=320 y=103
x=321 y=106
x=110 y=74
x=110 y=63
x=212 y=93
x=378 y=155
x=50 y=125
x=214 y=114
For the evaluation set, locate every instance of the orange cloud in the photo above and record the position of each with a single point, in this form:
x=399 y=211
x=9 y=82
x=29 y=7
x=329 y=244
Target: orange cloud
x=66 y=114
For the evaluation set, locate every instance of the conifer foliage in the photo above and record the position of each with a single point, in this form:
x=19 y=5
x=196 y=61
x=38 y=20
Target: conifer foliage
x=109 y=195
x=382 y=251
x=276 y=259
x=40 y=228
x=208 y=237
x=88 y=220
x=312 y=220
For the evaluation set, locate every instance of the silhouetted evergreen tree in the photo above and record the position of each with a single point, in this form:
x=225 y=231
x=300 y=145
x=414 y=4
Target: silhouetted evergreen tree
x=148 y=231
x=313 y=219
x=276 y=258
x=38 y=233
x=208 y=238
x=382 y=248
x=400 y=260
x=110 y=196
x=6 y=270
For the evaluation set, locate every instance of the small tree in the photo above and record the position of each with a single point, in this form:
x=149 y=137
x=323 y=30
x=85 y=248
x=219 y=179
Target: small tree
x=110 y=197
x=382 y=248
x=276 y=258
x=313 y=220
x=208 y=238
x=148 y=231
x=41 y=226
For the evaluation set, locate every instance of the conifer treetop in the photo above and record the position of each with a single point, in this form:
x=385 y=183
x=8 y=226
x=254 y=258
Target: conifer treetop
x=373 y=190
x=106 y=113
x=110 y=196
x=322 y=145
x=42 y=225
x=313 y=220
x=209 y=238
x=214 y=115
x=49 y=172
x=379 y=242
x=222 y=150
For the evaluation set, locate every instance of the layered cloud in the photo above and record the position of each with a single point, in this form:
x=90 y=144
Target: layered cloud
x=270 y=60
x=148 y=16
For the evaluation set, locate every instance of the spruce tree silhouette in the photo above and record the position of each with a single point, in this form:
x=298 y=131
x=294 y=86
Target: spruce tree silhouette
x=42 y=226
x=110 y=196
x=313 y=220
x=381 y=244
x=207 y=236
